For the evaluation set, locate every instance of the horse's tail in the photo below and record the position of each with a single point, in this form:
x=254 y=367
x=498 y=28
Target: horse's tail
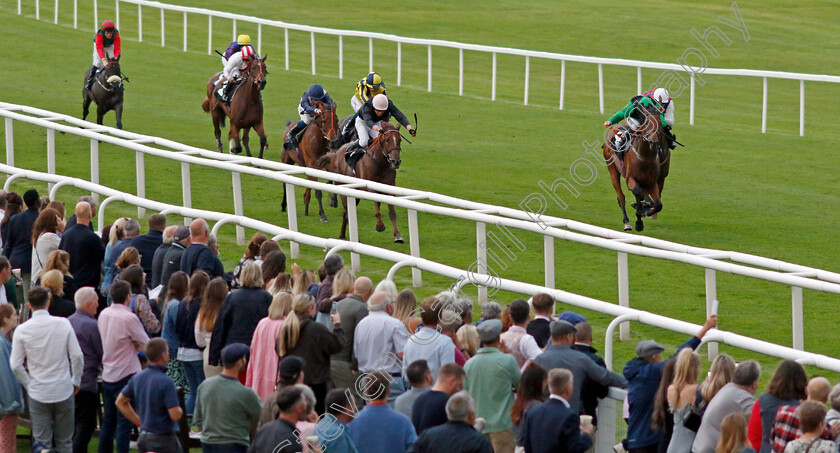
x=206 y=105
x=325 y=161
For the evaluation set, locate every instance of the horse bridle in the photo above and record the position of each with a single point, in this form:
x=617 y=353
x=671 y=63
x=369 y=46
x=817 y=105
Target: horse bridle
x=387 y=155
x=319 y=122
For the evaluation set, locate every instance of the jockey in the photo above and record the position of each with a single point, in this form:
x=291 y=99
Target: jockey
x=106 y=44
x=370 y=119
x=237 y=62
x=658 y=99
x=235 y=47
x=366 y=89
x=306 y=111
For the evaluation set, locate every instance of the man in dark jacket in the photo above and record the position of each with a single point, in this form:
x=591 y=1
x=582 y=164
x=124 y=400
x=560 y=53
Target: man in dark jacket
x=85 y=248
x=281 y=436
x=553 y=426
x=591 y=390
x=160 y=254
x=172 y=259
x=372 y=116
x=457 y=435
x=539 y=328
x=147 y=244
x=198 y=256
x=643 y=375
x=8 y=292
x=72 y=220
x=18 y=245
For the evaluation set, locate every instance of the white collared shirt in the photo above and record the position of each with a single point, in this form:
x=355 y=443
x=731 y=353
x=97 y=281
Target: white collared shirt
x=562 y=400
x=46 y=342
x=377 y=340
x=543 y=317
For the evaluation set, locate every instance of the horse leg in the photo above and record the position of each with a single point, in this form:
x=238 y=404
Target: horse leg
x=333 y=200
x=615 y=177
x=657 y=202
x=100 y=112
x=392 y=214
x=380 y=227
x=344 y=218
x=263 y=140
x=639 y=205
x=233 y=136
x=85 y=106
x=245 y=140
x=283 y=203
x=320 y=206
x=118 y=113
x=216 y=115
x=307 y=195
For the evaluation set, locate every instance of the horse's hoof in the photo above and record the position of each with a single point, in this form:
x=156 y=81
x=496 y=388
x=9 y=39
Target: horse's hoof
x=380 y=228
x=640 y=226
x=654 y=217
x=333 y=203
x=399 y=240
x=342 y=237
x=627 y=227
x=323 y=219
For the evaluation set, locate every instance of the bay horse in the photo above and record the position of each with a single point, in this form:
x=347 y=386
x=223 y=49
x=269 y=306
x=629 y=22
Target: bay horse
x=319 y=136
x=647 y=162
x=379 y=163
x=245 y=110
x=106 y=91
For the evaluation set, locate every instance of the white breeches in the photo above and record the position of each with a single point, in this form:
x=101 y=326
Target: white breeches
x=356 y=103
x=365 y=134
x=632 y=123
x=109 y=51
x=304 y=116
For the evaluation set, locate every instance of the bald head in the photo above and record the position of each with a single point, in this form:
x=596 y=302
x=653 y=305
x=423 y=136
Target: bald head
x=379 y=301
x=818 y=389
x=169 y=234
x=83 y=213
x=199 y=231
x=363 y=288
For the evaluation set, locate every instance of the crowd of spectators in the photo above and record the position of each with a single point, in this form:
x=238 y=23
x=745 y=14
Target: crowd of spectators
x=150 y=330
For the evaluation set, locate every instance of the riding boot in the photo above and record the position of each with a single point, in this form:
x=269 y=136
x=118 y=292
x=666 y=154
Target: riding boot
x=89 y=82
x=293 y=139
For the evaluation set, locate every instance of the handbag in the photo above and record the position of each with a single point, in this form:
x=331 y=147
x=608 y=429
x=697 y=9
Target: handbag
x=694 y=417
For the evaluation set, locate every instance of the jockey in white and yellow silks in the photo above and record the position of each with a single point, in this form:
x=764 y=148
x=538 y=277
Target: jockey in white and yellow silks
x=366 y=89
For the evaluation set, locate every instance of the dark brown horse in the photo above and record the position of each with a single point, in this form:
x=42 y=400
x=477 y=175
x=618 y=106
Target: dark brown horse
x=379 y=163
x=245 y=110
x=106 y=91
x=319 y=136
x=646 y=165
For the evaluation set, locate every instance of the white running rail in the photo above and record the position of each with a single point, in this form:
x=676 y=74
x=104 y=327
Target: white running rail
x=795 y=276
x=608 y=408
x=240 y=21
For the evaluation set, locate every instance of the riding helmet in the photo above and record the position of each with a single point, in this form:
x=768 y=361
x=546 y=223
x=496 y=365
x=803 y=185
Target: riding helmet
x=317 y=92
x=243 y=40
x=108 y=25
x=373 y=80
x=247 y=52
x=380 y=102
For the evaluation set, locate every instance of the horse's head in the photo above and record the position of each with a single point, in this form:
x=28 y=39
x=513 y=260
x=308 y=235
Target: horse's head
x=389 y=141
x=651 y=128
x=113 y=74
x=257 y=72
x=327 y=121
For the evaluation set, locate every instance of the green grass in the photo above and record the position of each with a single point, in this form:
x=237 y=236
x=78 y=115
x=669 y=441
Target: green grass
x=732 y=188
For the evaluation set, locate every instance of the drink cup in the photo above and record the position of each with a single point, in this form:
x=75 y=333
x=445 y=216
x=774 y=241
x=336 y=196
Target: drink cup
x=586 y=420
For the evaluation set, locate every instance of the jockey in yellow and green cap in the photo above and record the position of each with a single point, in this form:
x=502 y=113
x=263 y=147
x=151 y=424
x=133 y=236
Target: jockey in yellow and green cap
x=366 y=89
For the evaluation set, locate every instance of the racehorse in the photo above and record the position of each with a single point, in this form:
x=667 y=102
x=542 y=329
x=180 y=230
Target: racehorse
x=106 y=92
x=379 y=163
x=319 y=136
x=646 y=165
x=245 y=109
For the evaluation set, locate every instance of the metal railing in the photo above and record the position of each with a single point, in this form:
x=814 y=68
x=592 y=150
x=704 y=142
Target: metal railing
x=798 y=277
x=238 y=20
x=608 y=409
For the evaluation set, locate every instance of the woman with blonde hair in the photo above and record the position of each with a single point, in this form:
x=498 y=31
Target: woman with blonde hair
x=262 y=367
x=59 y=306
x=115 y=235
x=733 y=435
x=281 y=284
x=312 y=341
x=342 y=286
x=45 y=239
x=60 y=261
x=303 y=281
x=405 y=309
x=681 y=396
x=468 y=340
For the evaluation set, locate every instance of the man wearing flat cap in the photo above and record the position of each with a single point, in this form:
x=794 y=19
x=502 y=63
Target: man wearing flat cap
x=644 y=374
x=491 y=377
x=226 y=410
x=561 y=355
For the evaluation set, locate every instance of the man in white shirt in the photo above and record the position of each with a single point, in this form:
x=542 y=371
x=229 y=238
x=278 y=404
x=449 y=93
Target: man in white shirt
x=379 y=341
x=521 y=344
x=428 y=343
x=45 y=342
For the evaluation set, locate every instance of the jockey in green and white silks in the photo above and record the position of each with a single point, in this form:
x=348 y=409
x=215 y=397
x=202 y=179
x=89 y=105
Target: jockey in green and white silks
x=657 y=98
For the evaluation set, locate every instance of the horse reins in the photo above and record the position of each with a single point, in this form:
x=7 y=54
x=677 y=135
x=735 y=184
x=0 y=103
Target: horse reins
x=379 y=139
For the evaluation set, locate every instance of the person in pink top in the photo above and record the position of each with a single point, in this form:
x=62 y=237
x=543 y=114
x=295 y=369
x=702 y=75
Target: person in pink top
x=122 y=336
x=262 y=368
x=450 y=322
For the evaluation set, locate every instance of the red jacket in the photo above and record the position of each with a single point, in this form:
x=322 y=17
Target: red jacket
x=101 y=44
